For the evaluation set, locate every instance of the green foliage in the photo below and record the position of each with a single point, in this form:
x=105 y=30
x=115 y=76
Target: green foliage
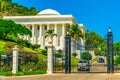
x=6 y=73
x=117 y=59
x=24 y=43
x=50 y=34
x=75 y=32
x=93 y=40
x=9 y=27
x=2 y=50
x=74 y=54
x=5 y=68
x=35 y=46
x=86 y=56
x=74 y=61
x=8 y=8
x=60 y=51
x=11 y=38
x=58 y=55
x=8 y=0
x=97 y=51
x=9 y=45
x=41 y=56
x=21 y=73
x=44 y=52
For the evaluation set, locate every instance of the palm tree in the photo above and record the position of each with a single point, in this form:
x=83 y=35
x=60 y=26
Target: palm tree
x=50 y=34
x=75 y=32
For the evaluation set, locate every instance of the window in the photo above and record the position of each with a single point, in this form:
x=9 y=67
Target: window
x=30 y=27
x=45 y=27
x=38 y=27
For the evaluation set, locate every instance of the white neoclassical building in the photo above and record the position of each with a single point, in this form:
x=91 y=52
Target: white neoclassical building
x=44 y=20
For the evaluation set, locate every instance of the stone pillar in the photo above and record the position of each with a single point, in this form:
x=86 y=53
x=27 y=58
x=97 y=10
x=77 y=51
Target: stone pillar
x=56 y=39
x=33 y=34
x=15 y=60
x=40 y=35
x=48 y=26
x=63 y=35
x=50 y=59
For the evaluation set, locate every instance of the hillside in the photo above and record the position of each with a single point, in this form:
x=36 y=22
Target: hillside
x=8 y=8
x=6 y=48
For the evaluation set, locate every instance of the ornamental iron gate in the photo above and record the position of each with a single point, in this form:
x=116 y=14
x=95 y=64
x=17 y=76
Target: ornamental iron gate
x=5 y=63
x=116 y=60
x=110 y=61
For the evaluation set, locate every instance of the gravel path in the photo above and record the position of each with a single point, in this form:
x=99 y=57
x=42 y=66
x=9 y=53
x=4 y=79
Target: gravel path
x=92 y=76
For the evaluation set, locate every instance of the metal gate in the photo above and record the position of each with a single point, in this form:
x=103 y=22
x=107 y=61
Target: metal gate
x=5 y=63
x=94 y=66
x=58 y=62
x=116 y=60
x=109 y=65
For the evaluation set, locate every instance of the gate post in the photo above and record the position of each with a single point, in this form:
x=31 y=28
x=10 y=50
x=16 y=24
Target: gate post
x=110 y=55
x=15 y=60
x=67 y=54
x=50 y=58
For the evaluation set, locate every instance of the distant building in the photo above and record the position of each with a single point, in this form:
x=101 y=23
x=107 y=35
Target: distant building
x=44 y=20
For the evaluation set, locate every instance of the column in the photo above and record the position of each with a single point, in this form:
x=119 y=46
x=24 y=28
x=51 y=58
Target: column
x=33 y=34
x=15 y=60
x=41 y=36
x=50 y=59
x=56 y=37
x=48 y=27
x=27 y=37
x=63 y=35
x=47 y=39
x=40 y=30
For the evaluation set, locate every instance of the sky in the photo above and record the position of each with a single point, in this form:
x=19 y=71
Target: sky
x=96 y=15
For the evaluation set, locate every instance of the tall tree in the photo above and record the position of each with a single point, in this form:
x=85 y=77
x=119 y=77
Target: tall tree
x=9 y=27
x=93 y=41
x=75 y=32
x=50 y=34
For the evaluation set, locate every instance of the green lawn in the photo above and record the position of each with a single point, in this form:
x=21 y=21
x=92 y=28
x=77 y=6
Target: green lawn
x=40 y=56
x=2 y=43
x=74 y=61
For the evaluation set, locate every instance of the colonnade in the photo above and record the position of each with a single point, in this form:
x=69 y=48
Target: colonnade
x=38 y=34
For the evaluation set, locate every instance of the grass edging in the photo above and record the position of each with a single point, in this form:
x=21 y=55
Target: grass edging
x=22 y=73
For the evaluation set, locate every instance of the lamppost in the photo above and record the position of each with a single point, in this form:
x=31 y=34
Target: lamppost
x=110 y=56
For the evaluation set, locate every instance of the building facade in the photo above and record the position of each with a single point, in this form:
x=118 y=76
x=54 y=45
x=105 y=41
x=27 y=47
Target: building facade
x=43 y=21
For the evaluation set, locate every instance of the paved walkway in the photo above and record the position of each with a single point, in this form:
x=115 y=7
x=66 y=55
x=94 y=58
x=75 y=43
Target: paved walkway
x=91 y=76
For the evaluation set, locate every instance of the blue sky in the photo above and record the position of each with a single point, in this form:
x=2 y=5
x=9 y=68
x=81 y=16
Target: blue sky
x=96 y=15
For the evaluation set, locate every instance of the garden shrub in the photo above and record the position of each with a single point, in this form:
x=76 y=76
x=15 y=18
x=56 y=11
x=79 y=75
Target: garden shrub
x=117 y=59
x=86 y=56
x=9 y=45
x=5 y=68
x=74 y=54
x=58 y=55
x=44 y=52
x=11 y=38
x=35 y=46
x=25 y=43
x=6 y=73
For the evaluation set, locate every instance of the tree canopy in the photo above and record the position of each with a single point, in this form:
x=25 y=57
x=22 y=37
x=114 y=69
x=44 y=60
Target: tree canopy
x=7 y=7
x=50 y=34
x=9 y=27
x=93 y=41
x=75 y=32
x=86 y=56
